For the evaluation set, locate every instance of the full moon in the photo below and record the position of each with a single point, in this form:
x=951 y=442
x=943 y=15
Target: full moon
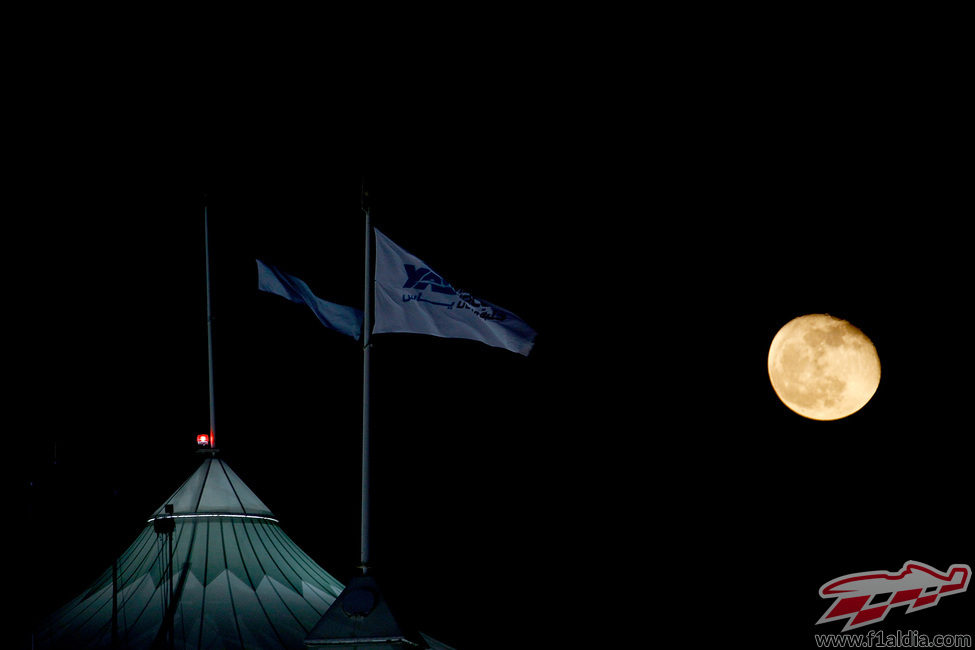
x=822 y=367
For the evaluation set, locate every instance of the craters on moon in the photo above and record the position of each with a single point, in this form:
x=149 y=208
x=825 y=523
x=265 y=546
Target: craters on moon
x=822 y=367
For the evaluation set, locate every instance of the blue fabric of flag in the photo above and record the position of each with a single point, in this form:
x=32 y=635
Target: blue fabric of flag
x=347 y=320
x=411 y=297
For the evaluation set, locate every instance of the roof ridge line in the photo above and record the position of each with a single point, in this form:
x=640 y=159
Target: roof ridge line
x=230 y=482
x=203 y=484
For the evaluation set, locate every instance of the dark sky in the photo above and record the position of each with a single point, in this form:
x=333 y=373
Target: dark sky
x=637 y=466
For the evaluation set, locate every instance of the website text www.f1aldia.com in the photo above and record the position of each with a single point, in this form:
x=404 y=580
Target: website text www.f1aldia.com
x=898 y=639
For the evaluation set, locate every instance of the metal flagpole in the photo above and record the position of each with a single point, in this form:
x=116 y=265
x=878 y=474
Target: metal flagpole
x=366 y=350
x=206 y=244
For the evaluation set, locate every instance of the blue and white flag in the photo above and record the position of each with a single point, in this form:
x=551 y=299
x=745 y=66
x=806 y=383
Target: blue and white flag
x=347 y=320
x=410 y=297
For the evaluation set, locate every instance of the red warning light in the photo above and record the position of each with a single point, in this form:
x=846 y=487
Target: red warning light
x=203 y=440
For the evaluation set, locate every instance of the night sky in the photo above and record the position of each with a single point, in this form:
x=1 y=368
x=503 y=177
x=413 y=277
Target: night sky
x=635 y=474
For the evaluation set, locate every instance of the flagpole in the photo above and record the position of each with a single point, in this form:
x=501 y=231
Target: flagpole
x=206 y=245
x=366 y=362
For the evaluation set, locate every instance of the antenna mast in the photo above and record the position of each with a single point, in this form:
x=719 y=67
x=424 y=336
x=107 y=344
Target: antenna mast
x=206 y=245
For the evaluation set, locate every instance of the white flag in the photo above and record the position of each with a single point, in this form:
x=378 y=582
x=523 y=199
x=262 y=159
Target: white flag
x=410 y=297
x=340 y=318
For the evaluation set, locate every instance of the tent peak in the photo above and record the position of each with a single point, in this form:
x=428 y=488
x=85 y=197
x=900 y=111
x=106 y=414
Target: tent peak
x=214 y=489
x=213 y=569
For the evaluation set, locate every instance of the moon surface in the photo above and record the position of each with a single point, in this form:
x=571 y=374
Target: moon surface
x=823 y=367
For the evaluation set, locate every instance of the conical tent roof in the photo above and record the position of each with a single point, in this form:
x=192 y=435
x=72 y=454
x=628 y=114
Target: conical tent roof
x=361 y=618
x=214 y=488
x=236 y=579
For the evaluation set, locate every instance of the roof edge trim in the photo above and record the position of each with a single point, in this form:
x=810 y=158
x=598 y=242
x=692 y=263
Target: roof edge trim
x=205 y=515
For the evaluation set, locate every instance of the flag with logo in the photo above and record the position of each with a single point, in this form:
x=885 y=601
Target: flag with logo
x=411 y=297
x=347 y=320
